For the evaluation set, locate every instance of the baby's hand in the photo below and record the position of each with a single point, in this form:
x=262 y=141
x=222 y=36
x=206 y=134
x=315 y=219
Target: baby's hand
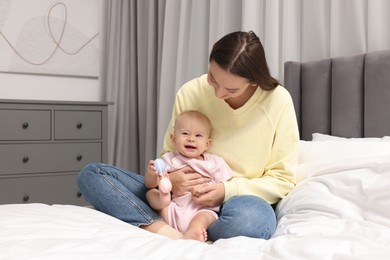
x=151 y=169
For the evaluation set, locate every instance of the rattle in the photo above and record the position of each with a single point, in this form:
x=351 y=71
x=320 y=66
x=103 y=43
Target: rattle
x=165 y=184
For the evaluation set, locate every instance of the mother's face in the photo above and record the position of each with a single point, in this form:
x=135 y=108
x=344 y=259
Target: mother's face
x=226 y=85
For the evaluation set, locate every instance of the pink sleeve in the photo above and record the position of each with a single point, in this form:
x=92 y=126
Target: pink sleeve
x=167 y=157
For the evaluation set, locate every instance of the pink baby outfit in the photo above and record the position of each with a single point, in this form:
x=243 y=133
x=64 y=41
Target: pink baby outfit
x=182 y=209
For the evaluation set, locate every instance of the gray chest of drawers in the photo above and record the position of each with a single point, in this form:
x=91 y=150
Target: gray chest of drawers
x=43 y=146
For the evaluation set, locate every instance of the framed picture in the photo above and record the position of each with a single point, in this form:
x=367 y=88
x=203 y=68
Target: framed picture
x=50 y=37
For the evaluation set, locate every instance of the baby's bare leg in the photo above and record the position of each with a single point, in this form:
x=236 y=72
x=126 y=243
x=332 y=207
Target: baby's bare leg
x=158 y=200
x=153 y=198
x=198 y=226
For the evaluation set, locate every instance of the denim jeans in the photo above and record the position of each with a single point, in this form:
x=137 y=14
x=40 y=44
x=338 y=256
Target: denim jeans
x=121 y=194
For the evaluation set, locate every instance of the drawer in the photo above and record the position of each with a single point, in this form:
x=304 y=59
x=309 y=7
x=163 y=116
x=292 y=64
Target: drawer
x=25 y=124
x=50 y=157
x=77 y=125
x=50 y=189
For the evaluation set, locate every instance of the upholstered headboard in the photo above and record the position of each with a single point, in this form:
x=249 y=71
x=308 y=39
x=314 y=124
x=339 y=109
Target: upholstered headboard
x=344 y=96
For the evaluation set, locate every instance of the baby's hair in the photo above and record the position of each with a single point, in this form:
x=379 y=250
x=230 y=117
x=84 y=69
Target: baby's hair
x=198 y=115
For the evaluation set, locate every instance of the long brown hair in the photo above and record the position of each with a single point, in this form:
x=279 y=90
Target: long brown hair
x=242 y=54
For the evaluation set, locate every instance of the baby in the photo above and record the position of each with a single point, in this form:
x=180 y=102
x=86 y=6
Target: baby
x=191 y=137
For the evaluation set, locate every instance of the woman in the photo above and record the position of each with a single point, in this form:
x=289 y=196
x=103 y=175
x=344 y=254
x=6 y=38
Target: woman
x=254 y=130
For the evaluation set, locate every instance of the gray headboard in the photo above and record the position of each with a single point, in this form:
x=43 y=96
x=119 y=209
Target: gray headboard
x=344 y=96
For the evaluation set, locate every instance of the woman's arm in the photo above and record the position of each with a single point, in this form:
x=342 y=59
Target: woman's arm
x=210 y=195
x=184 y=179
x=278 y=177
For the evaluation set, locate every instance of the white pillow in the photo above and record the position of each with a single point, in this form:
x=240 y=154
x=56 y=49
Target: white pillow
x=325 y=137
x=340 y=150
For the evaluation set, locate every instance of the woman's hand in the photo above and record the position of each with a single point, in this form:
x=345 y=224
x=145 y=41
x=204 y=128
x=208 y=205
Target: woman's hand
x=210 y=195
x=185 y=179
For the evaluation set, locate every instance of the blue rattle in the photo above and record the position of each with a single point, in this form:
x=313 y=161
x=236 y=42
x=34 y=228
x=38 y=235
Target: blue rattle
x=160 y=166
x=164 y=184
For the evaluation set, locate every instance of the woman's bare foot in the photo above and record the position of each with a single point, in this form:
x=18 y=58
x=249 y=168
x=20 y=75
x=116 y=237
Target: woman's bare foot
x=200 y=235
x=162 y=228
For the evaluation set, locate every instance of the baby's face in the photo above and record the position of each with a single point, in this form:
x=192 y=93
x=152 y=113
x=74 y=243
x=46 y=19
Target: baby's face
x=191 y=137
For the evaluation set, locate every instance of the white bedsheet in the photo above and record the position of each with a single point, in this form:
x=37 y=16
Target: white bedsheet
x=338 y=210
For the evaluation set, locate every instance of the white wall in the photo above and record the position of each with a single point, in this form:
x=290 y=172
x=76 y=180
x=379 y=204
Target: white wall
x=38 y=87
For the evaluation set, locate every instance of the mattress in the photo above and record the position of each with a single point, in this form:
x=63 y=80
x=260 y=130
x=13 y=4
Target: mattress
x=338 y=210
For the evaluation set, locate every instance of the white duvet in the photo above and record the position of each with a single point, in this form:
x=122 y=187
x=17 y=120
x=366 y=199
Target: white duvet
x=338 y=210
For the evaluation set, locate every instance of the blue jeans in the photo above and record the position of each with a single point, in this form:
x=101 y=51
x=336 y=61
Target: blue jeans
x=121 y=194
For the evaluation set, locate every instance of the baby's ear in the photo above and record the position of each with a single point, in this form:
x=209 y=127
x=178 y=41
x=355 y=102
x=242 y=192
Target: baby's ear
x=172 y=136
x=208 y=144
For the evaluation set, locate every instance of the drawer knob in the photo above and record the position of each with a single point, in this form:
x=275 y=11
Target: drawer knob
x=79 y=125
x=25 y=159
x=25 y=125
x=26 y=198
x=79 y=157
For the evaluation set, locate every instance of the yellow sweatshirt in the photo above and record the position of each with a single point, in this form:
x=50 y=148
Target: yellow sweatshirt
x=259 y=140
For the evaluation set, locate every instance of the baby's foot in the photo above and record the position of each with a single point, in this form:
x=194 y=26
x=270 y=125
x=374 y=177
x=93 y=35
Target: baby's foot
x=200 y=235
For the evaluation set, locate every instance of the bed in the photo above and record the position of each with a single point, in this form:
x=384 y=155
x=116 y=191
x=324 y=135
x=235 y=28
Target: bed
x=339 y=208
